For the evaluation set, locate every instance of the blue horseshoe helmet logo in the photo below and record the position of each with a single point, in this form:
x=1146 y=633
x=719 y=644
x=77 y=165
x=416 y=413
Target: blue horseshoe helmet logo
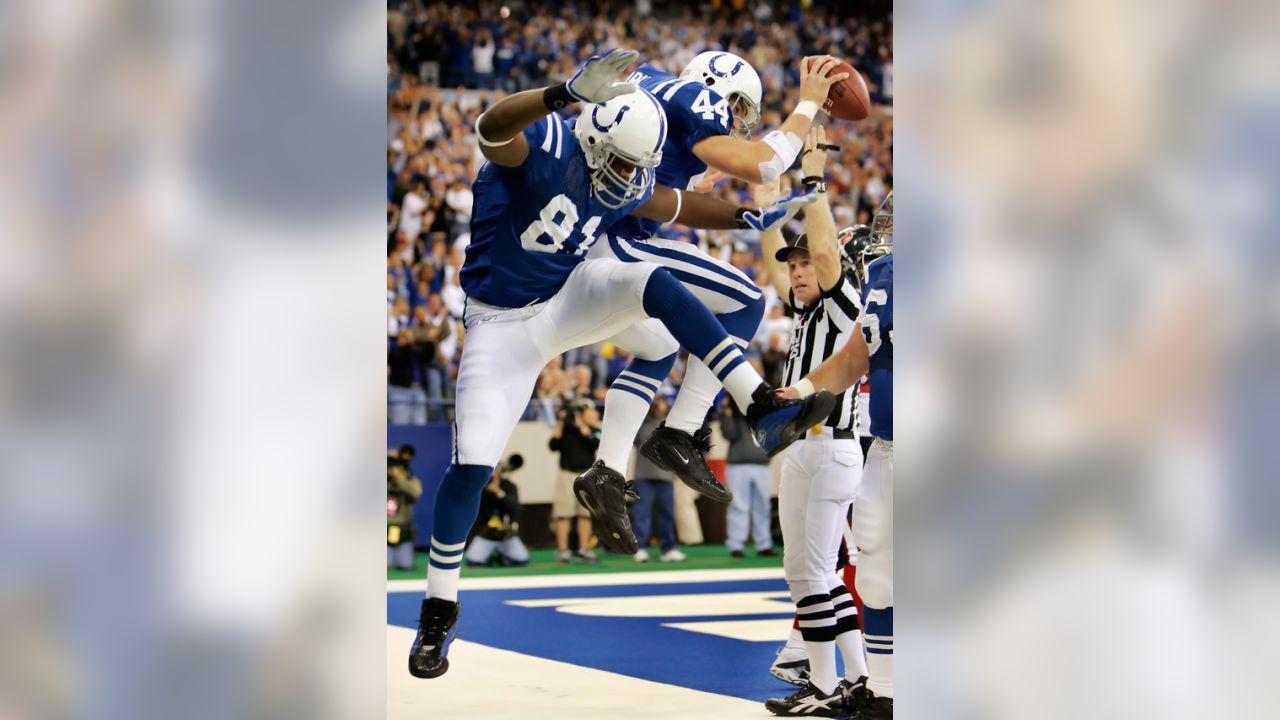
x=714 y=71
x=616 y=118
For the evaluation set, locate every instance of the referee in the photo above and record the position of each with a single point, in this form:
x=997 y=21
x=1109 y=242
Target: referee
x=821 y=471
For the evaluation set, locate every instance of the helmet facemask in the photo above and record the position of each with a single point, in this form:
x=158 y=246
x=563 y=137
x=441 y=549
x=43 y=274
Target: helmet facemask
x=612 y=187
x=882 y=228
x=744 y=121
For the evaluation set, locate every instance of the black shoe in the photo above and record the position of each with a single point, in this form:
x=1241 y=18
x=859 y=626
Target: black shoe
x=685 y=455
x=737 y=554
x=604 y=494
x=809 y=701
x=876 y=708
x=436 y=629
x=767 y=552
x=776 y=422
x=855 y=694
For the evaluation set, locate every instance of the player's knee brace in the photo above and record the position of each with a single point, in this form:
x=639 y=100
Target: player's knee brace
x=869 y=528
x=874 y=584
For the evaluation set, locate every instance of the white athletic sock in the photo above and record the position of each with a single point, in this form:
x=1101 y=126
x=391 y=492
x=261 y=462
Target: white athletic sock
x=624 y=412
x=443 y=582
x=795 y=639
x=855 y=659
x=848 y=635
x=878 y=623
x=822 y=665
x=697 y=392
x=741 y=382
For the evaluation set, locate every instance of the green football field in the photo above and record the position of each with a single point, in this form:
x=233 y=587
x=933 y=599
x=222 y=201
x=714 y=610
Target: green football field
x=701 y=557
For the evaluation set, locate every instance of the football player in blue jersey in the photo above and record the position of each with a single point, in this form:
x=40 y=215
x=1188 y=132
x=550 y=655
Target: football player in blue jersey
x=710 y=109
x=873 y=508
x=547 y=194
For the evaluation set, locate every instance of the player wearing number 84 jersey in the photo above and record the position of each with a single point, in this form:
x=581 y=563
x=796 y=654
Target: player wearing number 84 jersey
x=542 y=199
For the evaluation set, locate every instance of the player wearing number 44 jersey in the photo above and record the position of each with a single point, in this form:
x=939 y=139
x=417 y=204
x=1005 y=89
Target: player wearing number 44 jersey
x=710 y=110
x=873 y=508
x=546 y=195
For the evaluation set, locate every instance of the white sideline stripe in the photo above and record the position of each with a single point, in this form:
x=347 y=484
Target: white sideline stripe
x=596 y=579
x=485 y=682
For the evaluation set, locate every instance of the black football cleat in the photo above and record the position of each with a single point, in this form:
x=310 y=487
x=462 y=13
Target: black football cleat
x=437 y=626
x=855 y=694
x=776 y=422
x=808 y=701
x=876 y=708
x=686 y=455
x=604 y=494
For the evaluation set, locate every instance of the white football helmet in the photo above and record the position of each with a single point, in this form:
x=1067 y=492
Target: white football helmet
x=733 y=78
x=627 y=130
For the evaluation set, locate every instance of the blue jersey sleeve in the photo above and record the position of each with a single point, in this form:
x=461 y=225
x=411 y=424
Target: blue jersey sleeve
x=551 y=144
x=696 y=112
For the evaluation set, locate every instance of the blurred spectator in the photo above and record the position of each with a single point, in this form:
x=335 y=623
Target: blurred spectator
x=412 y=209
x=576 y=437
x=655 y=490
x=775 y=338
x=403 y=490
x=434 y=345
x=748 y=479
x=406 y=400
x=497 y=540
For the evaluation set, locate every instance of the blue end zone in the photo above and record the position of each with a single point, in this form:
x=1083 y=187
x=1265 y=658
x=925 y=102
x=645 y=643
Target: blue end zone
x=639 y=647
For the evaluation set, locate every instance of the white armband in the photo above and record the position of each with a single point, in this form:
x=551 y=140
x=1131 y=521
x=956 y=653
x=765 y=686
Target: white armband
x=804 y=387
x=486 y=143
x=679 y=205
x=785 y=149
x=807 y=108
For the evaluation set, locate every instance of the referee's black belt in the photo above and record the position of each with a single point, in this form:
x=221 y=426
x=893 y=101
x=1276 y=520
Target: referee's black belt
x=835 y=434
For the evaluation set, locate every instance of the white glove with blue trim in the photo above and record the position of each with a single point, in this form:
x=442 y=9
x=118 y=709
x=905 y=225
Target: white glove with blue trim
x=772 y=217
x=597 y=80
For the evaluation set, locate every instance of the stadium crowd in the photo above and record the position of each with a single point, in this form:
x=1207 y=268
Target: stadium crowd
x=445 y=65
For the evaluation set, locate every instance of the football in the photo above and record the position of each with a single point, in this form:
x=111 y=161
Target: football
x=849 y=98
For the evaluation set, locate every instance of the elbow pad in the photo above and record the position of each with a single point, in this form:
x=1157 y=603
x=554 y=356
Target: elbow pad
x=785 y=149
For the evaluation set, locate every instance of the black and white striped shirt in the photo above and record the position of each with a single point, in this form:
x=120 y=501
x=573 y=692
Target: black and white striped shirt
x=821 y=330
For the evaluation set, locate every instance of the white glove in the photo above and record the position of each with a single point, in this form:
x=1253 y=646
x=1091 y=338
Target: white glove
x=597 y=80
x=772 y=217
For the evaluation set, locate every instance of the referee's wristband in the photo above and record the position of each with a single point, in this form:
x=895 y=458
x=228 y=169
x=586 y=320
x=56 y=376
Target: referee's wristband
x=804 y=387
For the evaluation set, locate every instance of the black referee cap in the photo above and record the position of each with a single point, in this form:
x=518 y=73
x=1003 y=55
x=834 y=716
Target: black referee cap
x=800 y=242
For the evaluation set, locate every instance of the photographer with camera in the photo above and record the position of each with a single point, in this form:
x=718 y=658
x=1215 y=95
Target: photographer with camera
x=576 y=437
x=403 y=490
x=497 y=539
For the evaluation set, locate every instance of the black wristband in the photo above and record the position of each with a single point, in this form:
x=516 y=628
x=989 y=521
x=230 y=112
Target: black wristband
x=741 y=217
x=810 y=180
x=557 y=97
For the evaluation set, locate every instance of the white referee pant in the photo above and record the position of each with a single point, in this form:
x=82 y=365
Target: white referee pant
x=820 y=478
x=873 y=527
x=506 y=348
